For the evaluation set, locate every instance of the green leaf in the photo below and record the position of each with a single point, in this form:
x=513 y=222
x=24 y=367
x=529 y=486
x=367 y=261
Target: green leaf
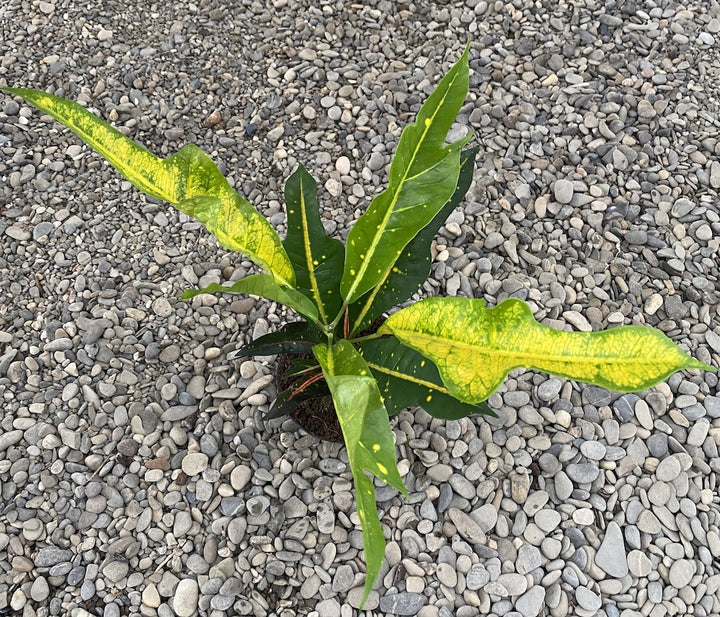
x=475 y=347
x=412 y=268
x=298 y=337
x=408 y=379
x=188 y=179
x=368 y=439
x=265 y=286
x=317 y=258
x=423 y=176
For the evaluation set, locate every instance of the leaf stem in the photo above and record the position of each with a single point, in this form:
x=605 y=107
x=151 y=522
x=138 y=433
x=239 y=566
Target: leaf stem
x=367 y=337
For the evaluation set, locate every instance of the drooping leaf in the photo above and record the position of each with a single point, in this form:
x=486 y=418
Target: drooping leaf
x=408 y=379
x=317 y=258
x=298 y=337
x=404 y=277
x=423 y=176
x=188 y=179
x=368 y=439
x=475 y=347
x=265 y=286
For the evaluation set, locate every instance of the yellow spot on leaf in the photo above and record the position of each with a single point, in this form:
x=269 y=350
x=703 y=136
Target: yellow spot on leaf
x=382 y=468
x=376 y=447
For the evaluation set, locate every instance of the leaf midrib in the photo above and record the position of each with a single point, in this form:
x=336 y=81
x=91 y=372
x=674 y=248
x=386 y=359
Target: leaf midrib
x=309 y=255
x=365 y=263
x=412 y=335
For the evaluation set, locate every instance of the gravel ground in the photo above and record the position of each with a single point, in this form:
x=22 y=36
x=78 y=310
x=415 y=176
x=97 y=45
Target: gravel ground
x=137 y=473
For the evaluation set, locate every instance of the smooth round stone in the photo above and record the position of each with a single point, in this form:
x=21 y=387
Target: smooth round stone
x=681 y=573
x=668 y=469
x=659 y=493
x=185 y=600
x=587 y=599
x=476 y=578
x=547 y=519
x=593 y=450
x=32 y=529
x=194 y=463
x=115 y=571
x=638 y=563
x=583 y=473
x=40 y=590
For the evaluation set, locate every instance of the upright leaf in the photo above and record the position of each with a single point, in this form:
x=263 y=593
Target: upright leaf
x=317 y=258
x=265 y=286
x=475 y=347
x=423 y=176
x=188 y=179
x=405 y=276
x=407 y=379
x=368 y=439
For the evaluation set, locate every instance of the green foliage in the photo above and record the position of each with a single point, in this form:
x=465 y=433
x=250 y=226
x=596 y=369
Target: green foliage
x=447 y=355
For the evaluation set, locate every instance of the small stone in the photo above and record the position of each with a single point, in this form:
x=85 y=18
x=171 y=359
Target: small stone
x=343 y=579
x=681 y=572
x=531 y=602
x=325 y=516
x=587 y=599
x=639 y=564
x=528 y=559
x=466 y=526
x=343 y=165
x=547 y=519
x=476 y=578
x=668 y=469
x=583 y=473
x=150 y=596
x=563 y=191
x=115 y=571
x=611 y=555
x=194 y=463
x=40 y=590
x=397 y=604
x=447 y=575
x=185 y=600
x=10 y=439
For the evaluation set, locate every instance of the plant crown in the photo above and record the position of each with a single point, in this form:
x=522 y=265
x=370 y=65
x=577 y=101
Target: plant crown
x=447 y=355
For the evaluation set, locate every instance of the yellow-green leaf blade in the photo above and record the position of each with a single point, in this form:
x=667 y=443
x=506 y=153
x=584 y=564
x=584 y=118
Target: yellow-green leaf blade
x=265 y=286
x=188 y=179
x=475 y=347
x=423 y=176
x=368 y=439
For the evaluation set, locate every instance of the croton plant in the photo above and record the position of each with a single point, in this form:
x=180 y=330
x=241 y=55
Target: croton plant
x=446 y=355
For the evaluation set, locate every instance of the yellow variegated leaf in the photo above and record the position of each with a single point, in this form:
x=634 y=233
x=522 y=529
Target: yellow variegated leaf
x=475 y=347
x=368 y=439
x=188 y=179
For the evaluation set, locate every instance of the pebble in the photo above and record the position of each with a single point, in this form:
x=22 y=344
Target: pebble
x=194 y=463
x=399 y=604
x=185 y=599
x=611 y=556
x=594 y=198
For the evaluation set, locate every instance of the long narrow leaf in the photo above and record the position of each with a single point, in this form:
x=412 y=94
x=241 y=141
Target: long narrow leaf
x=265 y=286
x=475 y=347
x=368 y=439
x=298 y=337
x=407 y=379
x=423 y=176
x=405 y=276
x=188 y=179
x=317 y=258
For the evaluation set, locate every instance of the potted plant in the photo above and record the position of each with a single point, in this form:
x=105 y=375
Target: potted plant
x=447 y=355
